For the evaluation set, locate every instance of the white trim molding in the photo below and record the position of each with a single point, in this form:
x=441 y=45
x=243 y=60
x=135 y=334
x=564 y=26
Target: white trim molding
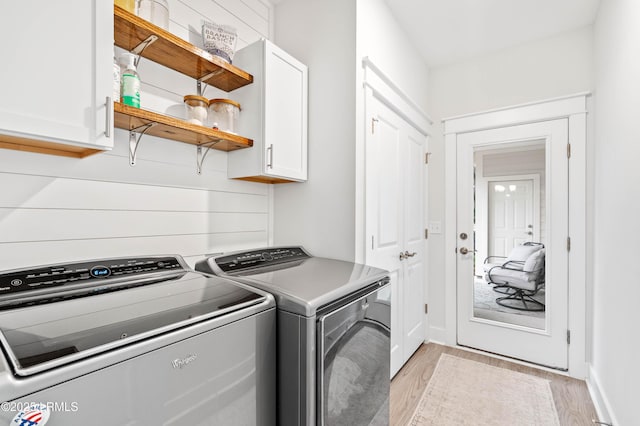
x=600 y=400
x=437 y=335
x=395 y=98
x=573 y=108
x=535 y=111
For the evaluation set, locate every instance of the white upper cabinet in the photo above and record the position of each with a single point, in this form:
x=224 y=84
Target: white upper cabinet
x=56 y=76
x=274 y=115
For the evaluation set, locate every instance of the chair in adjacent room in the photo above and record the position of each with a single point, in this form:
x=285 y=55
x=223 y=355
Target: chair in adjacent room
x=520 y=276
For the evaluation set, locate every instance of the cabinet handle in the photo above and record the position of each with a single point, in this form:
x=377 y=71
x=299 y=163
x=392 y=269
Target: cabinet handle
x=109 y=117
x=270 y=157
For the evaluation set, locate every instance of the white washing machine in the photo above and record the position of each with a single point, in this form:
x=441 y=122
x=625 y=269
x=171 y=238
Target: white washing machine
x=134 y=341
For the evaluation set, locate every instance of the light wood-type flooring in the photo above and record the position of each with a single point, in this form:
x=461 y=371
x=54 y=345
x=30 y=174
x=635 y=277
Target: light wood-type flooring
x=570 y=395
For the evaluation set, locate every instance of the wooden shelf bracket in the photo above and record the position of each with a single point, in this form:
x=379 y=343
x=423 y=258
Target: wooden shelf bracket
x=135 y=135
x=200 y=156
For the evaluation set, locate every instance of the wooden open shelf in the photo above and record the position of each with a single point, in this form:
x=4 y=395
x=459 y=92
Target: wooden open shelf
x=130 y=118
x=175 y=53
x=45 y=147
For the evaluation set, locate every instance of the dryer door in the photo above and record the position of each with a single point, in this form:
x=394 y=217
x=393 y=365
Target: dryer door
x=353 y=362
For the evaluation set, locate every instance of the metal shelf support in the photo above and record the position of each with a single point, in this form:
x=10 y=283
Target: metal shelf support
x=200 y=156
x=143 y=45
x=199 y=82
x=134 y=141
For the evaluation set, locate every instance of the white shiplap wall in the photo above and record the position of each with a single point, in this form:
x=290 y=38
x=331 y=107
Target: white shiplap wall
x=55 y=209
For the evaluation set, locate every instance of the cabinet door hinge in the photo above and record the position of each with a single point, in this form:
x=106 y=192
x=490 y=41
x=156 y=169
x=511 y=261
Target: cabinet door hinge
x=568 y=150
x=426 y=157
x=426 y=233
x=568 y=337
x=426 y=308
x=568 y=243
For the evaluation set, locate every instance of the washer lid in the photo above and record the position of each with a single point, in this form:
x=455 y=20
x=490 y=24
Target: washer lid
x=302 y=284
x=58 y=331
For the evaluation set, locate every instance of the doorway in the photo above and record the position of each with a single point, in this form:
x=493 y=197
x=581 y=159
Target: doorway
x=513 y=213
x=533 y=283
x=395 y=177
x=555 y=131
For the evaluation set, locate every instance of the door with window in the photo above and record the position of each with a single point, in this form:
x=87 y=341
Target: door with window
x=395 y=182
x=494 y=220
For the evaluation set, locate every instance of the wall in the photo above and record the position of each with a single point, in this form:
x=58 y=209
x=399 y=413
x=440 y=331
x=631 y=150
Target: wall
x=319 y=213
x=539 y=70
x=57 y=209
x=381 y=39
x=326 y=214
x=616 y=343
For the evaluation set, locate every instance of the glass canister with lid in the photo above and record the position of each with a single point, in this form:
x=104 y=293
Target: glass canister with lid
x=128 y=5
x=196 y=109
x=155 y=11
x=223 y=114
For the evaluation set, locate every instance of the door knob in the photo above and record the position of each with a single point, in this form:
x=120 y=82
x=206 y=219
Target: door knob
x=407 y=254
x=529 y=233
x=464 y=250
x=402 y=256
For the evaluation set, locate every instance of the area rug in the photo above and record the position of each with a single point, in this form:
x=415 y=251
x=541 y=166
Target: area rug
x=464 y=392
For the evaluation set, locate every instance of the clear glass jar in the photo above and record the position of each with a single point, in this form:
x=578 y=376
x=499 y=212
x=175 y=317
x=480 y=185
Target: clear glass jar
x=223 y=114
x=196 y=108
x=128 y=5
x=155 y=11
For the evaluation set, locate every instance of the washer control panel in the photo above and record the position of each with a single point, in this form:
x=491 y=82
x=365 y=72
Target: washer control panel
x=260 y=258
x=86 y=273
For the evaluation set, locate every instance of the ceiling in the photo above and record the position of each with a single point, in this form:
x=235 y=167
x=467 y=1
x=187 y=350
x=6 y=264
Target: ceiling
x=449 y=31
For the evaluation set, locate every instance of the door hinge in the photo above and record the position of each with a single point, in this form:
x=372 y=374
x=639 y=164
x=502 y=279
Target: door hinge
x=426 y=157
x=373 y=125
x=568 y=337
x=568 y=150
x=426 y=233
x=426 y=308
x=372 y=242
x=568 y=243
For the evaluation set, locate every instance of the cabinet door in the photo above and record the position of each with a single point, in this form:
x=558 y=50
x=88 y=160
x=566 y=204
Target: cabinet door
x=285 y=112
x=57 y=72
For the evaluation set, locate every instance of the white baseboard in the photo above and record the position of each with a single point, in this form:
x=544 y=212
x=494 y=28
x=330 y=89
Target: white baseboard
x=599 y=398
x=437 y=335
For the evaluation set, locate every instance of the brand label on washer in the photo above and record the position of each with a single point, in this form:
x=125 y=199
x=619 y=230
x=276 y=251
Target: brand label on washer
x=35 y=415
x=183 y=362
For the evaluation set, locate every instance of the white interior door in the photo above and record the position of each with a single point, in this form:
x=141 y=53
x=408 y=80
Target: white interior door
x=496 y=171
x=511 y=215
x=545 y=344
x=413 y=232
x=395 y=221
